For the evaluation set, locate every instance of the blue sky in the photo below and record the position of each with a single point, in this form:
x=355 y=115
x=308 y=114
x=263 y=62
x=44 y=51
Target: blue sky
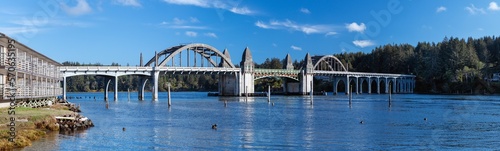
x=107 y=31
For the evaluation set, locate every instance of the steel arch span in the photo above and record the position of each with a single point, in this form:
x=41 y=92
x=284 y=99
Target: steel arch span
x=276 y=76
x=206 y=51
x=328 y=63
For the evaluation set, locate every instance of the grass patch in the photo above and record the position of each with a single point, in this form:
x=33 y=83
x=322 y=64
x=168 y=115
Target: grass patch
x=30 y=124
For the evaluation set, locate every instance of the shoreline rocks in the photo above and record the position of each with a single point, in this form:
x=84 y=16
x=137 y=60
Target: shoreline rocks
x=73 y=122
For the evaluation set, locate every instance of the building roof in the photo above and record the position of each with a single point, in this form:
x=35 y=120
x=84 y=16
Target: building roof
x=32 y=51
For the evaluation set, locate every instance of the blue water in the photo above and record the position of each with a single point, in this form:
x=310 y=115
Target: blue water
x=453 y=122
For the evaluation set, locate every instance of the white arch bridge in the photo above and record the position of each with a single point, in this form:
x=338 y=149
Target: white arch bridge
x=200 y=58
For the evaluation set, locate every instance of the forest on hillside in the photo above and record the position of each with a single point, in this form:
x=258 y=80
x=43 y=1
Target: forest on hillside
x=453 y=65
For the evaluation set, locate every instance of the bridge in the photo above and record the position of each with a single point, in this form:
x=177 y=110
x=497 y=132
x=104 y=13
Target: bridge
x=198 y=58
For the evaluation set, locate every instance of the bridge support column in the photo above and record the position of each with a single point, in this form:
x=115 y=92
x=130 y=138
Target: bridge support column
x=106 y=90
x=386 y=86
x=361 y=86
x=369 y=85
x=64 y=88
x=413 y=85
x=357 y=85
x=347 y=85
x=405 y=85
x=228 y=85
x=247 y=86
x=116 y=89
x=369 y=80
x=155 y=76
x=335 y=83
x=378 y=85
x=140 y=87
x=306 y=85
x=394 y=86
x=399 y=85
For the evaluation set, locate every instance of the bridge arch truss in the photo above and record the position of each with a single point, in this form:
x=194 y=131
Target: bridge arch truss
x=205 y=52
x=328 y=63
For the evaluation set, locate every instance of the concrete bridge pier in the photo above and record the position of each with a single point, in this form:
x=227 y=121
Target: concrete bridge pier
x=116 y=88
x=347 y=85
x=106 y=90
x=378 y=85
x=155 y=77
x=306 y=77
x=357 y=85
x=228 y=85
x=247 y=75
x=140 y=88
x=335 y=83
x=106 y=93
x=64 y=87
x=394 y=85
x=369 y=85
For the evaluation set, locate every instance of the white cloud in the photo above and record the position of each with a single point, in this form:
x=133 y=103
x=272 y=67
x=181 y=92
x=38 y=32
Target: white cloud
x=305 y=11
x=480 y=29
x=275 y=45
x=225 y=5
x=178 y=23
x=213 y=35
x=134 y=3
x=262 y=25
x=199 y=3
x=241 y=11
x=356 y=27
x=187 y=27
x=191 y=34
x=493 y=6
x=474 y=10
x=193 y=19
x=13 y=31
x=81 y=8
x=290 y=25
x=363 y=43
x=296 y=48
x=331 y=33
x=440 y=9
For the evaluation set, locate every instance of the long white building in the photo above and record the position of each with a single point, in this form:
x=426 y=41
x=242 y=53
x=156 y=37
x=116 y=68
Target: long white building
x=37 y=76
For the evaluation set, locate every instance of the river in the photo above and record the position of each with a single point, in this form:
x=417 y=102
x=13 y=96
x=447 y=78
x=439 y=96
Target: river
x=412 y=122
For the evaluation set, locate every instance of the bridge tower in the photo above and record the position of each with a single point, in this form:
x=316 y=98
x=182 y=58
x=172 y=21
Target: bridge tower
x=288 y=63
x=247 y=73
x=306 y=77
x=289 y=86
x=228 y=83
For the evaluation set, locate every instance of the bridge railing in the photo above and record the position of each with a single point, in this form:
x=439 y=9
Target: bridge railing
x=280 y=71
x=364 y=74
x=103 y=68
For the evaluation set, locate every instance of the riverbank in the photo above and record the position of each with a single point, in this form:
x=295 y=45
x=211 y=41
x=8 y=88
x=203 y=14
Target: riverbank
x=31 y=124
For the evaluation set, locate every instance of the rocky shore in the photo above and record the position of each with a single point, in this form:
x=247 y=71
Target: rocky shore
x=34 y=123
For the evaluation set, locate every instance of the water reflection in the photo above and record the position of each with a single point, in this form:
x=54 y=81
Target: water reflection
x=291 y=124
x=248 y=117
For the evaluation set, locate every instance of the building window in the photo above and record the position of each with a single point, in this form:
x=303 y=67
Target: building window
x=2 y=55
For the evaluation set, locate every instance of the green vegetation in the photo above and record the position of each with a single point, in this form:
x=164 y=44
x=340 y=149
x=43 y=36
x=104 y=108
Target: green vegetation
x=451 y=66
x=31 y=125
